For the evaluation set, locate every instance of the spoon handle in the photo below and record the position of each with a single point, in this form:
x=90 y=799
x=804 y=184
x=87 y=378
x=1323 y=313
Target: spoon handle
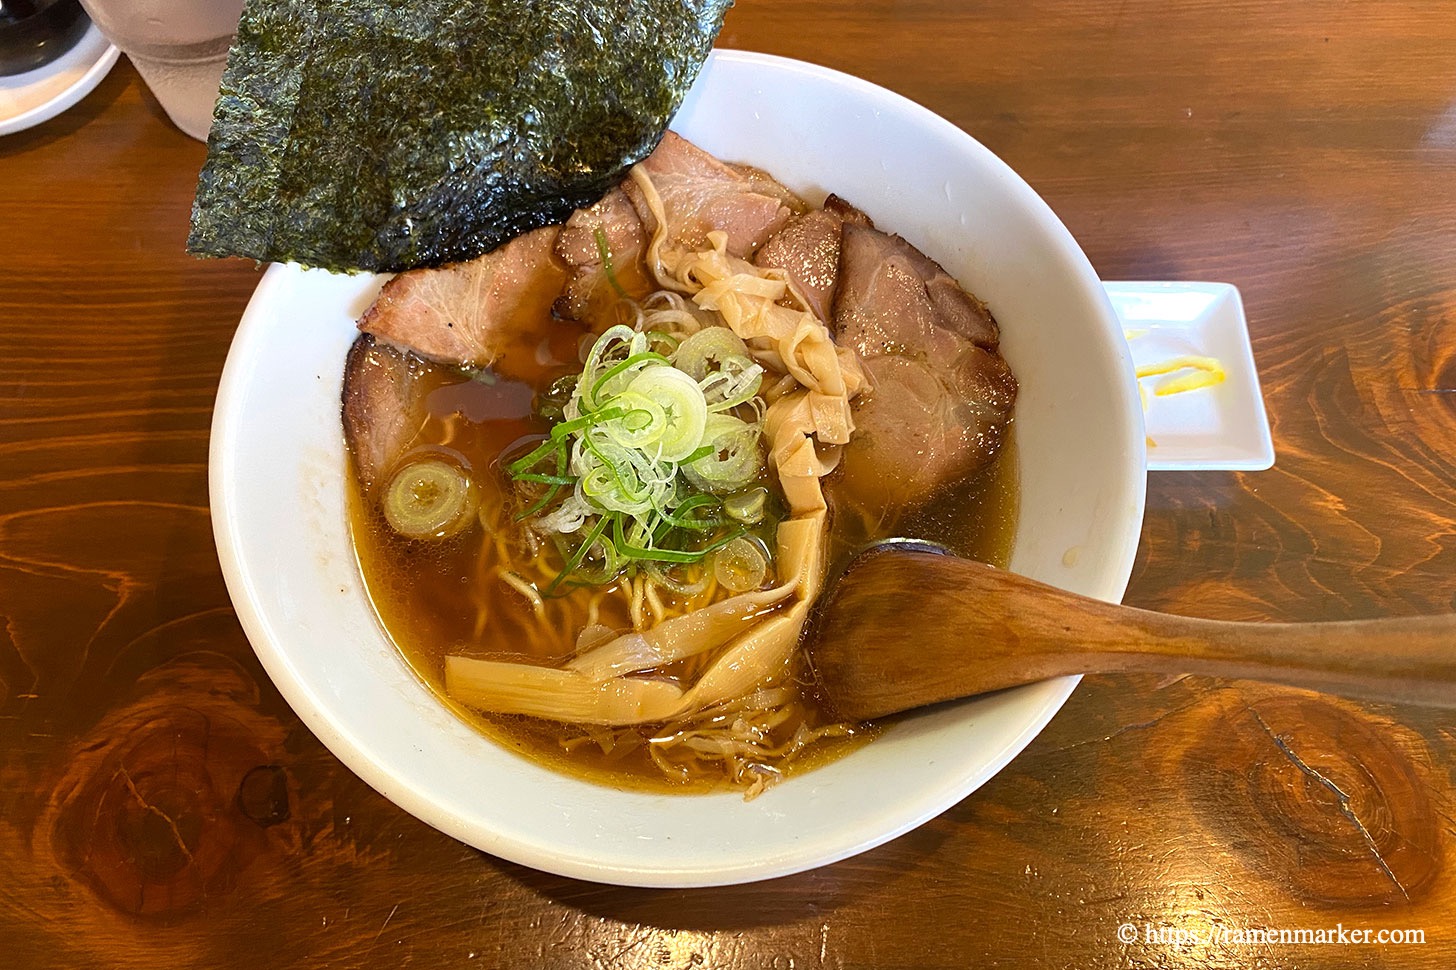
x=906 y=629
x=1408 y=659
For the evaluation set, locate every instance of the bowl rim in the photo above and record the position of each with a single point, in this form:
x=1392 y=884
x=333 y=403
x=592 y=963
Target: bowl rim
x=334 y=732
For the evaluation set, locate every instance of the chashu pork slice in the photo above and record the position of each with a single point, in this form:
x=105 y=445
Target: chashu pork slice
x=891 y=296
x=941 y=395
x=701 y=194
x=604 y=246
x=807 y=250
x=924 y=426
x=383 y=406
x=474 y=314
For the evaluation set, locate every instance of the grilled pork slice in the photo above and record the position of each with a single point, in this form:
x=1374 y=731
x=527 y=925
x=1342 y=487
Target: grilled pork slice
x=384 y=406
x=763 y=183
x=891 y=295
x=941 y=393
x=474 y=314
x=700 y=194
x=807 y=249
x=603 y=247
x=925 y=426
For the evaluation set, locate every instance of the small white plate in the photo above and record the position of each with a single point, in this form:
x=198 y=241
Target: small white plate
x=1219 y=427
x=39 y=95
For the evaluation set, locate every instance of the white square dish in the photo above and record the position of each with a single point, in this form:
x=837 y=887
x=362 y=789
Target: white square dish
x=1223 y=426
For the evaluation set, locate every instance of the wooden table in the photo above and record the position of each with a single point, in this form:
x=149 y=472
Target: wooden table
x=160 y=806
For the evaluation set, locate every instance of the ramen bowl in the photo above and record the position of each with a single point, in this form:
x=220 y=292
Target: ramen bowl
x=278 y=484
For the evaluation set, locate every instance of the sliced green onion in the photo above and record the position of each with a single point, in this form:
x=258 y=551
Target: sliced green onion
x=539 y=504
x=736 y=460
x=656 y=554
x=610 y=480
x=604 y=252
x=576 y=557
x=430 y=499
x=601 y=564
x=747 y=506
x=534 y=457
x=663 y=342
x=620 y=376
x=643 y=447
x=702 y=452
x=605 y=344
x=668 y=576
x=727 y=389
x=682 y=517
x=565 y=428
x=546 y=479
x=740 y=566
x=566 y=518
x=642 y=423
x=708 y=350
x=684 y=410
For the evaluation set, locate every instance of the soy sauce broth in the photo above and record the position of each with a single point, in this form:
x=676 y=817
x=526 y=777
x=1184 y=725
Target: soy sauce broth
x=432 y=601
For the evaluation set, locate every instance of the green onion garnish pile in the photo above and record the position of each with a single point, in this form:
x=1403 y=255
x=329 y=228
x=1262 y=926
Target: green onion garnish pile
x=652 y=463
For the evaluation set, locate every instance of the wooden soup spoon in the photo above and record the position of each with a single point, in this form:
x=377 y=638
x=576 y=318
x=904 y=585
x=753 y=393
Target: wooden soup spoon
x=903 y=628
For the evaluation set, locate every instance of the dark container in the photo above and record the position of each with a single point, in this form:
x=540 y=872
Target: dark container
x=35 y=32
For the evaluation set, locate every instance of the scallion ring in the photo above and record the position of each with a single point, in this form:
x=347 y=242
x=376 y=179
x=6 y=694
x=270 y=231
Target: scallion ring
x=707 y=351
x=736 y=460
x=684 y=411
x=430 y=499
x=740 y=566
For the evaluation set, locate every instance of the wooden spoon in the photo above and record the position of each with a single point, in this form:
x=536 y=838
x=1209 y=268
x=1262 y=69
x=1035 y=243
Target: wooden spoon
x=904 y=628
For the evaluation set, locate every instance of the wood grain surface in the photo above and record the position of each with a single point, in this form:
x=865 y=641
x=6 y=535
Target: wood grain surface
x=161 y=806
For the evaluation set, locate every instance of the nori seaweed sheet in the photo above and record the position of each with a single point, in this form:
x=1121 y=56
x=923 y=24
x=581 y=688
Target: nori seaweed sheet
x=382 y=135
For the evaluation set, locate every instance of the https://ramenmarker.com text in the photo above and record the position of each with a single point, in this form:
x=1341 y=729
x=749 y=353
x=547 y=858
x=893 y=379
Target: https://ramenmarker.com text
x=1233 y=936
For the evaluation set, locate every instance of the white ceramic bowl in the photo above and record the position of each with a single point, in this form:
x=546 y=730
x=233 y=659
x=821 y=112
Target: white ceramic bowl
x=277 y=466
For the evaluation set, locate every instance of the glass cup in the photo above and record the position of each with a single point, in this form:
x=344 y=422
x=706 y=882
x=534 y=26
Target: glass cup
x=179 y=47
